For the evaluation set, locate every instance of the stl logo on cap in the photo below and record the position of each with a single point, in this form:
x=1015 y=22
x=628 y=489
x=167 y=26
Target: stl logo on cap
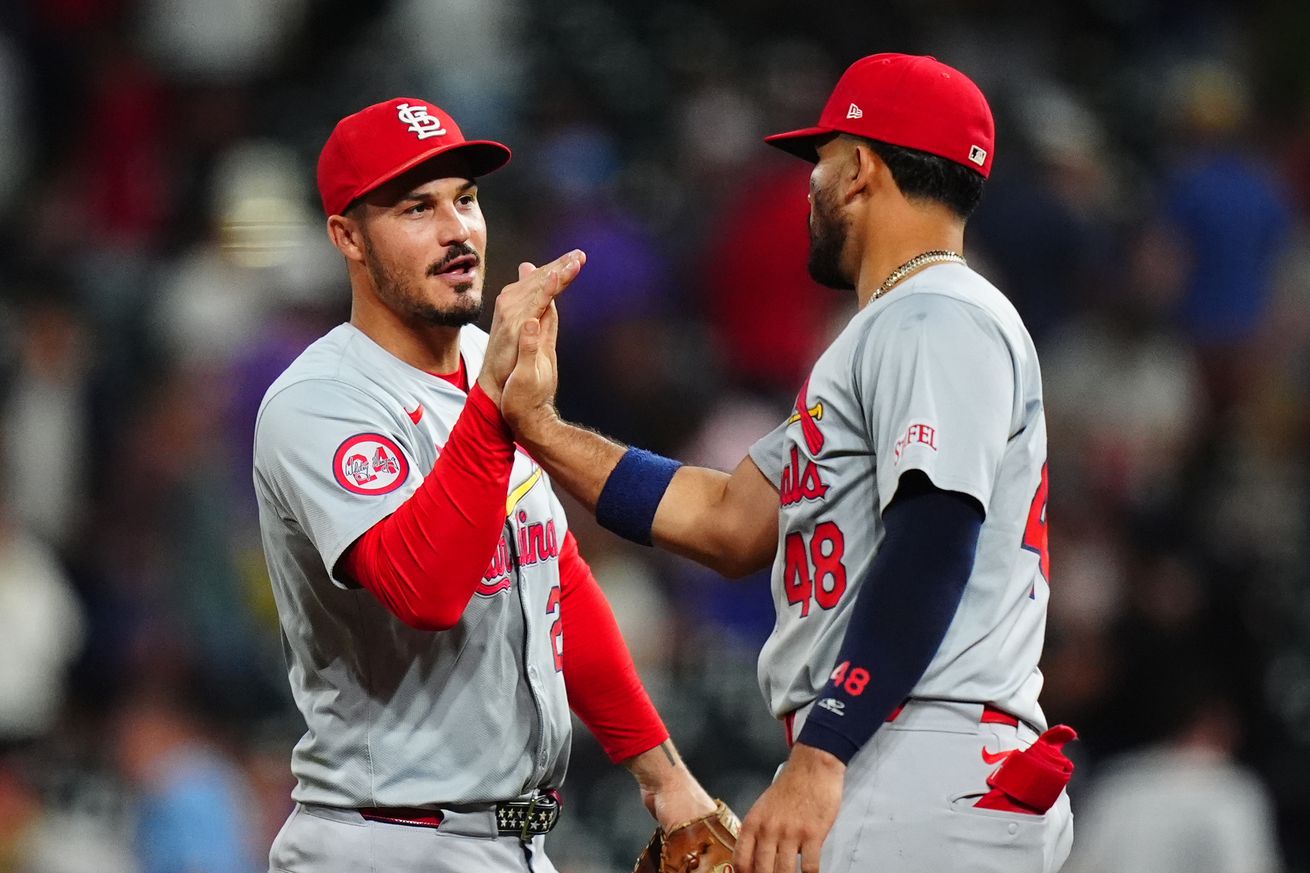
x=369 y=148
x=370 y=463
x=420 y=121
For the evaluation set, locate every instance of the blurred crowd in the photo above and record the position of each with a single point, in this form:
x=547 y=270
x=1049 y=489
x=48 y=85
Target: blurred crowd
x=164 y=258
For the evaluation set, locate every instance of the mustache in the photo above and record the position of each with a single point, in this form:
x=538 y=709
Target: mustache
x=459 y=250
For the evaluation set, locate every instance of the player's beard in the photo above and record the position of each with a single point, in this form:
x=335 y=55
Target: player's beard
x=829 y=230
x=405 y=297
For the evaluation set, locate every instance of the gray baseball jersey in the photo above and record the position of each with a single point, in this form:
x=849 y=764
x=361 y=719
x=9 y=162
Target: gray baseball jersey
x=938 y=376
x=397 y=716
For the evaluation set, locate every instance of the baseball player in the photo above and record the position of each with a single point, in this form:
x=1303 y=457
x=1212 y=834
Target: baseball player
x=910 y=568
x=437 y=619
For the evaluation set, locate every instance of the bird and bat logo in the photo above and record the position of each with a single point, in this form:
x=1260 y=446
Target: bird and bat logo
x=801 y=479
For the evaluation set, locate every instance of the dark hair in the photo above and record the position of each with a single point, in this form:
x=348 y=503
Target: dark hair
x=924 y=176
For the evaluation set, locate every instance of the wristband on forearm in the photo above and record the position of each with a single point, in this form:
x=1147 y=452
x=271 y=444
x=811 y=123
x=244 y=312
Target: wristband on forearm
x=633 y=492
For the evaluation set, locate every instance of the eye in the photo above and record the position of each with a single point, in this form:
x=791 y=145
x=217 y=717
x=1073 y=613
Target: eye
x=467 y=199
x=417 y=209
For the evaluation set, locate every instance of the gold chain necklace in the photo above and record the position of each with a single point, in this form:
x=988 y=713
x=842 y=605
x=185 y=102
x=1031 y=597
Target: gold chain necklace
x=936 y=256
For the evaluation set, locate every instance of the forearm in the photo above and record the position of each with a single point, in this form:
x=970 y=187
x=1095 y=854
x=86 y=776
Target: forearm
x=668 y=789
x=657 y=767
x=725 y=522
x=714 y=519
x=680 y=524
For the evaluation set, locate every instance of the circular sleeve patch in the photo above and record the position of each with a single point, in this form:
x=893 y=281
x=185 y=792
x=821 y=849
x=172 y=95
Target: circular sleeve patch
x=370 y=463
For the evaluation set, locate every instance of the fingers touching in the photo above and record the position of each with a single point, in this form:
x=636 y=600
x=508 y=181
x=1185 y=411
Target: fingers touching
x=529 y=338
x=531 y=298
x=550 y=325
x=548 y=281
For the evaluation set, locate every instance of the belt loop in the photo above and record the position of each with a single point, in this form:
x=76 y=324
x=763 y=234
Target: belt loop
x=524 y=836
x=992 y=715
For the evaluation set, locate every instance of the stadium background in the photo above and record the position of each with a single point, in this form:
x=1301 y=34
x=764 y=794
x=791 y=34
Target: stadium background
x=162 y=258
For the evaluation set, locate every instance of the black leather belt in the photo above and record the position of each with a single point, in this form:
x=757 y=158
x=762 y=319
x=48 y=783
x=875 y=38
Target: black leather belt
x=524 y=819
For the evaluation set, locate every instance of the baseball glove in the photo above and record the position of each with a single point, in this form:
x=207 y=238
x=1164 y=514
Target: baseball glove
x=703 y=845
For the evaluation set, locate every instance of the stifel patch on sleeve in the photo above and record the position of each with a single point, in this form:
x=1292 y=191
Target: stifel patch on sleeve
x=920 y=434
x=370 y=463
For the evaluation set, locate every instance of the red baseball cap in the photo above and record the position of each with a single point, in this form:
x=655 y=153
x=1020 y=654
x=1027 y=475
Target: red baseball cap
x=912 y=101
x=377 y=144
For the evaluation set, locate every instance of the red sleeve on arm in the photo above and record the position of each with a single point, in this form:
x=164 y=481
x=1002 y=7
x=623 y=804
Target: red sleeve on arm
x=602 y=682
x=425 y=559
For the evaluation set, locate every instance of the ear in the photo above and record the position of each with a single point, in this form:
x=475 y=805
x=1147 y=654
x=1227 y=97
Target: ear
x=348 y=236
x=867 y=172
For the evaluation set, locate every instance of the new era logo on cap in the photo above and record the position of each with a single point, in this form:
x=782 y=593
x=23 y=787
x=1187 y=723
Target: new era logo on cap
x=854 y=112
x=978 y=155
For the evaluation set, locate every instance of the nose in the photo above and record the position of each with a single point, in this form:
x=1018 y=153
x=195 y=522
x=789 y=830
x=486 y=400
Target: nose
x=452 y=227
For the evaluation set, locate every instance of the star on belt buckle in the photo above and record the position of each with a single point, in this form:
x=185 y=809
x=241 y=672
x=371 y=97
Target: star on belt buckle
x=541 y=814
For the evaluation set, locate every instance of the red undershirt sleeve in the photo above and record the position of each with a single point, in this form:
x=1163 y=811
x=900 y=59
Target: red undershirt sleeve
x=602 y=682
x=425 y=559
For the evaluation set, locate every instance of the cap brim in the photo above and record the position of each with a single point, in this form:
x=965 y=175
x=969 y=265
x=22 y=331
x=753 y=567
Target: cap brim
x=483 y=156
x=801 y=143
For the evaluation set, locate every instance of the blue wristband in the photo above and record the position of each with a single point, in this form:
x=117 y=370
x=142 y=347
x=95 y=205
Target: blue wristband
x=633 y=492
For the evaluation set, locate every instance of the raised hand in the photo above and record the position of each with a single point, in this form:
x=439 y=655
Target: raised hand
x=518 y=303
x=528 y=398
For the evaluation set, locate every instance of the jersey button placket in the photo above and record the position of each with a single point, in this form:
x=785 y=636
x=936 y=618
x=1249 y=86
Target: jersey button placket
x=534 y=686
x=534 y=682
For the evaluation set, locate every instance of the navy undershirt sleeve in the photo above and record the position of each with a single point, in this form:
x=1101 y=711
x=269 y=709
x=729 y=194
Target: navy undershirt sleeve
x=901 y=615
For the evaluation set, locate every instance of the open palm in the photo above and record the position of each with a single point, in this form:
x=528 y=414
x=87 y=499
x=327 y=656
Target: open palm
x=530 y=390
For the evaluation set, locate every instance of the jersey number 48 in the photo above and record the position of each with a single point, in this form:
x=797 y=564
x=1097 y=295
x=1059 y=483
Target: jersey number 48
x=816 y=572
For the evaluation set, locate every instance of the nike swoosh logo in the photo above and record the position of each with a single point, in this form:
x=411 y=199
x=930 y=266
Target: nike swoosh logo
x=990 y=758
x=416 y=414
